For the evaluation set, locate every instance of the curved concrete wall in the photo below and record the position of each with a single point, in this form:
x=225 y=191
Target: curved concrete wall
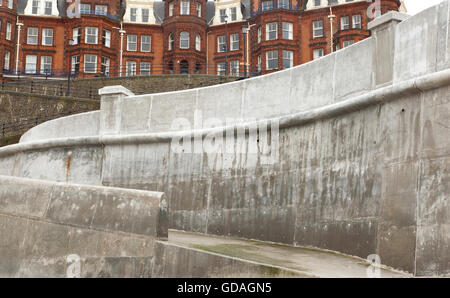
x=362 y=166
x=79 y=125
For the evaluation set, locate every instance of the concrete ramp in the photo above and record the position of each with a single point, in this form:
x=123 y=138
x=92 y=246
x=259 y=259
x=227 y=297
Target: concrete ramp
x=298 y=261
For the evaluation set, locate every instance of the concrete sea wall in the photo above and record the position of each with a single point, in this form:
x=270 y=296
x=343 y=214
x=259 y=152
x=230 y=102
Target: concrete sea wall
x=358 y=161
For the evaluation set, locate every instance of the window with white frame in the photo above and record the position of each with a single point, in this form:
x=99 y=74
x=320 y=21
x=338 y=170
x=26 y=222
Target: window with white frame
x=198 y=41
x=223 y=15
x=8 y=31
x=7 y=60
x=32 y=36
x=10 y=4
x=288 y=59
x=271 y=60
x=347 y=43
x=267 y=5
x=105 y=64
x=283 y=4
x=288 y=31
x=199 y=10
x=145 y=68
x=184 y=7
x=317 y=29
x=271 y=31
x=47 y=37
x=91 y=35
x=30 y=64
x=221 y=40
x=75 y=64
x=46 y=65
x=101 y=10
x=106 y=38
x=234 y=67
x=184 y=40
x=85 y=8
x=48 y=8
x=133 y=14
x=35 y=7
x=145 y=15
x=170 y=9
x=76 y=37
x=234 y=42
x=132 y=43
x=259 y=34
x=221 y=69
x=345 y=23
x=357 y=21
x=170 y=41
x=146 y=43
x=90 y=63
x=131 y=68
x=317 y=53
x=233 y=13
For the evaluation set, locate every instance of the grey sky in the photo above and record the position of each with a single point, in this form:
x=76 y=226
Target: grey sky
x=416 y=6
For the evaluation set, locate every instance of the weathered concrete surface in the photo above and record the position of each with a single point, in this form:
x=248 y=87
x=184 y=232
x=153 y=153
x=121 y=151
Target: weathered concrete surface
x=362 y=166
x=43 y=223
x=93 y=207
x=48 y=228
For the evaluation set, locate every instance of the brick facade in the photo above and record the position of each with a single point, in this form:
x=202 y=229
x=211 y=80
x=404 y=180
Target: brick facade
x=288 y=41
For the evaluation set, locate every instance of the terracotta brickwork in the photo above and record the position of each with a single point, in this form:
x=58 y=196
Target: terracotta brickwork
x=279 y=37
x=7 y=40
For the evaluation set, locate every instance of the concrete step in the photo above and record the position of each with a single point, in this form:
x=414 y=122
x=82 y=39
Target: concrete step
x=300 y=261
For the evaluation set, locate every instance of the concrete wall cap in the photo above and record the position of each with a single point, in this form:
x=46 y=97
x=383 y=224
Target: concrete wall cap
x=386 y=18
x=118 y=89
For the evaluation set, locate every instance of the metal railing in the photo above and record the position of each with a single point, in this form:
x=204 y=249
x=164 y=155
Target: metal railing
x=131 y=70
x=52 y=84
x=51 y=88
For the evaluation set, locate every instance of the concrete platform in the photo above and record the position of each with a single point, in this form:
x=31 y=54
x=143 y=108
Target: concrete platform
x=306 y=262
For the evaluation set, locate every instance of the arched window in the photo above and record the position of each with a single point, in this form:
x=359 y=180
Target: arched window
x=171 y=40
x=184 y=40
x=198 y=42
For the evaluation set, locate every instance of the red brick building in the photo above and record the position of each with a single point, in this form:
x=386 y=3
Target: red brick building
x=143 y=37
